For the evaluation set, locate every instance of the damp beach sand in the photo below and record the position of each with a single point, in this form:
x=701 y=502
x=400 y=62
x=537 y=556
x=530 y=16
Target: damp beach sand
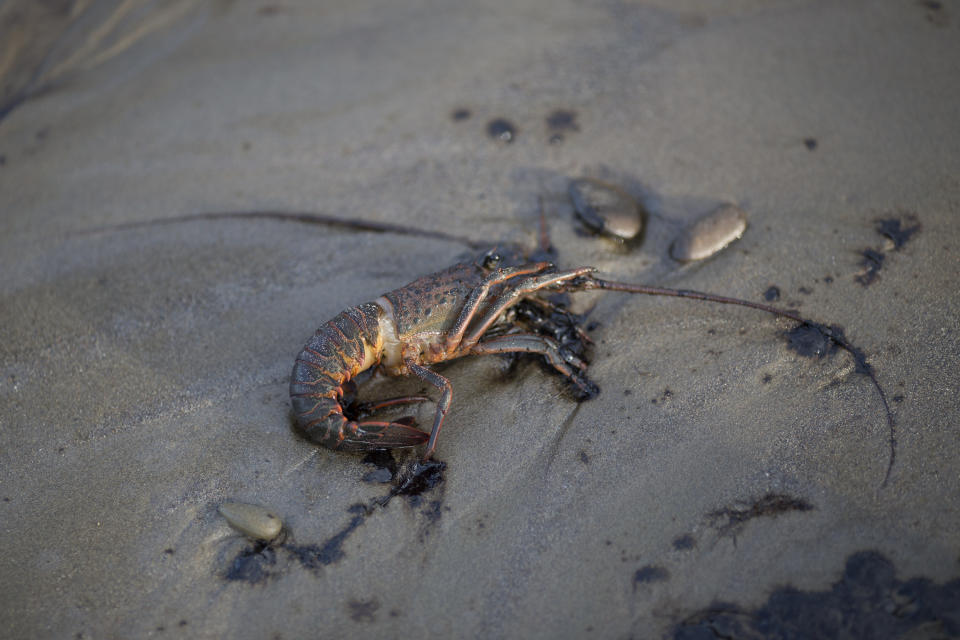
x=732 y=469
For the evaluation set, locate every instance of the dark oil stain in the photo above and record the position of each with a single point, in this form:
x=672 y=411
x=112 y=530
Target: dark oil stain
x=363 y=610
x=3 y=160
x=421 y=477
x=936 y=13
x=380 y=476
x=649 y=573
x=684 y=542
x=805 y=291
x=182 y=623
x=253 y=565
x=168 y=551
x=315 y=556
x=563 y=120
x=257 y=563
x=729 y=521
x=772 y=294
x=584 y=458
x=413 y=482
x=898 y=399
x=461 y=114
x=872 y=262
x=386 y=466
x=828 y=279
x=896 y=231
x=502 y=130
x=868 y=601
x=666 y=395
x=811 y=341
x=766 y=378
x=810 y=143
x=432 y=511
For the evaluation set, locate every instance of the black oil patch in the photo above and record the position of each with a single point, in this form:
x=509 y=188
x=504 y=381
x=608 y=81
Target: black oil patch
x=363 y=610
x=502 y=130
x=258 y=563
x=810 y=143
x=772 y=294
x=871 y=261
x=810 y=341
x=936 y=13
x=684 y=542
x=379 y=476
x=867 y=602
x=730 y=521
x=315 y=556
x=896 y=231
x=386 y=467
x=561 y=122
x=420 y=477
x=461 y=114
x=254 y=564
x=650 y=573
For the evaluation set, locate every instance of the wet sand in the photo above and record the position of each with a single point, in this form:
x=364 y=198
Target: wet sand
x=145 y=369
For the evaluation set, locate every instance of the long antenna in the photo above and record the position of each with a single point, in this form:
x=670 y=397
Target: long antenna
x=834 y=334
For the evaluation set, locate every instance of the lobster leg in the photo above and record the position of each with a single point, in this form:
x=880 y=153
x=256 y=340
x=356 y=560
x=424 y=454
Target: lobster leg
x=443 y=405
x=367 y=408
x=513 y=295
x=370 y=436
x=565 y=362
x=479 y=294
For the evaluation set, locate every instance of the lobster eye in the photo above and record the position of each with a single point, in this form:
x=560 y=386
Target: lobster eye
x=491 y=260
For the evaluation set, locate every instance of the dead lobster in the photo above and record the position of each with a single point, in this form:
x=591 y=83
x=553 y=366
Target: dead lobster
x=439 y=317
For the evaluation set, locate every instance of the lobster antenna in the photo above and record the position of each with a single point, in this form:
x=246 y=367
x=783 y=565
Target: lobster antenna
x=834 y=334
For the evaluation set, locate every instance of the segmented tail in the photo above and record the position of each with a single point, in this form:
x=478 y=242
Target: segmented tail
x=338 y=351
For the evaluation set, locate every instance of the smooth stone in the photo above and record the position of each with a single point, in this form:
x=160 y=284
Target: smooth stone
x=251 y=519
x=710 y=234
x=606 y=208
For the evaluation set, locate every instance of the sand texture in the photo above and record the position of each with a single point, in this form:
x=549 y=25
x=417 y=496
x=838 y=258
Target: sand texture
x=725 y=478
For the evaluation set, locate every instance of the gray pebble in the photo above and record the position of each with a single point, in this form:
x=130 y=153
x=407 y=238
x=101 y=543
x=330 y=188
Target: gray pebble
x=710 y=234
x=253 y=520
x=606 y=208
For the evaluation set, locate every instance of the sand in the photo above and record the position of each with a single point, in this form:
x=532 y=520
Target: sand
x=144 y=369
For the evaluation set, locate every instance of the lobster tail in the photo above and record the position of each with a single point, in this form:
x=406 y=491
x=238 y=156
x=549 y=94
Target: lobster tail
x=338 y=351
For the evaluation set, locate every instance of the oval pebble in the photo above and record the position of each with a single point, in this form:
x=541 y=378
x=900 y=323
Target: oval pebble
x=253 y=520
x=710 y=234
x=606 y=208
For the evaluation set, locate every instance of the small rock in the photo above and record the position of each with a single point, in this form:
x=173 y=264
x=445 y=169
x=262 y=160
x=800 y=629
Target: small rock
x=253 y=520
x=710 y=234
x=606 y=208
